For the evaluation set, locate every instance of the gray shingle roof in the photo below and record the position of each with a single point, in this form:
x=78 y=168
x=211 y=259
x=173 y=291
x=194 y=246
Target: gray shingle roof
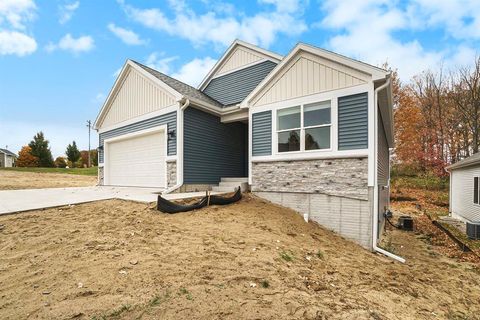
x=7 y=152
x=472 y=160
x=183 y=88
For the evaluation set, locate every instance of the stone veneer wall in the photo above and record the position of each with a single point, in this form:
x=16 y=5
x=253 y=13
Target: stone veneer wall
x=100 y=176
x=333 y=193
x=338 y=177
x=171 y=173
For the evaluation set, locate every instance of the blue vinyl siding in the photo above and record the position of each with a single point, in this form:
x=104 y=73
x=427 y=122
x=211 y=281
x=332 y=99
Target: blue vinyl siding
x=353 y=122
x=232 y=88
x=212 y=149
x=262 y=133
x=170 y=119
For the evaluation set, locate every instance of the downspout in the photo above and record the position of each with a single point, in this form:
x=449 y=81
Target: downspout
x=179 y=183
x=375 y=179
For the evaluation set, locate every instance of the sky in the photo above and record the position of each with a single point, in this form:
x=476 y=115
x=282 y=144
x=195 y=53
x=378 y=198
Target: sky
x=59 y=59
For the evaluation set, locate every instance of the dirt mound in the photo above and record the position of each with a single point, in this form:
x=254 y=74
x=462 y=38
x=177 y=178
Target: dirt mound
x=250 y=260
x=14 y=180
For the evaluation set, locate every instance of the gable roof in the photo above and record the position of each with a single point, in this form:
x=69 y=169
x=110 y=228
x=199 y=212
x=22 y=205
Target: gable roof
x=470 y=161
x=7 y=152
x=375 y=72
x=176 y=88
x=268 y=55
x=184 y=89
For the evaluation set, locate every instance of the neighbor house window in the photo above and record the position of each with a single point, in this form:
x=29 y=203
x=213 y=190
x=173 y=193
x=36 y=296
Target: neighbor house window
x=475 y=190
x=305 y=127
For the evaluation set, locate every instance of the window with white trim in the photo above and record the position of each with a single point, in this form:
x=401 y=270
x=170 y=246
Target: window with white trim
x=305 y=127
x=476 y=190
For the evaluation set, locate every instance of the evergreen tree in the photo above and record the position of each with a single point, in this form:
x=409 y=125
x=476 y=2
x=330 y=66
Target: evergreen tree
x=72 y=153
x=40 y=149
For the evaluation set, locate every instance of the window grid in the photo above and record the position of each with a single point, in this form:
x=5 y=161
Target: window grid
x=302 y=128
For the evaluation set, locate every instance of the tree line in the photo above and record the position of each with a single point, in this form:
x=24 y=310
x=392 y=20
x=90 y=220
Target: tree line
x=38 y=154
x=437 y=118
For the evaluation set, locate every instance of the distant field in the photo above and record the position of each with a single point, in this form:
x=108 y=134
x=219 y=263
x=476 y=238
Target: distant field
x=79 y=171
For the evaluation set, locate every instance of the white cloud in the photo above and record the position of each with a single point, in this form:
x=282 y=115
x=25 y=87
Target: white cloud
x=13 y=42
x=221 y=29
x=74 y=45
x=194 y=71
x=67 y=11
x=366 y=30
x=14 y=14
x=159 y=62
x=127 y=36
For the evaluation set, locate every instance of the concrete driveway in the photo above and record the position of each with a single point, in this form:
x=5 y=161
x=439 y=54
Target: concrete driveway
x=12 y=201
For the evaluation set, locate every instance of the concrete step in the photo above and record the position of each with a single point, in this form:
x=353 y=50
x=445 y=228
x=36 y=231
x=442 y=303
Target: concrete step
x=239 y=179
x=223 y=189
x=243 y=185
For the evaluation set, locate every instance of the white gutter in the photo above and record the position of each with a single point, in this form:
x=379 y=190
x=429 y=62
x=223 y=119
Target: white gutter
x=375 y=179
x=179 y=147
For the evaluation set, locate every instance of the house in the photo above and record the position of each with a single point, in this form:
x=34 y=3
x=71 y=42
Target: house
x=310 y=130
x=7 y=158
x=465 y=190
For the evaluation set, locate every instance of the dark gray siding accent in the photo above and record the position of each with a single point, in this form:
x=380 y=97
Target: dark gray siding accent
x=383 y=154
x=353 y=122
x=262 y=133
x=212 y=149
x=232 y=88
x=170 y=119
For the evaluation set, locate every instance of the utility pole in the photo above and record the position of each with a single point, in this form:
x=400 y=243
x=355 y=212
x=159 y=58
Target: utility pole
x=89 y=125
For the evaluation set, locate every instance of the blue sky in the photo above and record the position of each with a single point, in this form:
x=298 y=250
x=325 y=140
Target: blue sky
x=59 y=59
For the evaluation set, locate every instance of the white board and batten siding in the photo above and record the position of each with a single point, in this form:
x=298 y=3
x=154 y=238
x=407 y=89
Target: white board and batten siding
x=137 y=95
x=308 y=74
x=239 y=58
x=461 y=197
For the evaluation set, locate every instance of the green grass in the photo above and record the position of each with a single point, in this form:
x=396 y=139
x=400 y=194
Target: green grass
x=78 y=171
x=286 y=256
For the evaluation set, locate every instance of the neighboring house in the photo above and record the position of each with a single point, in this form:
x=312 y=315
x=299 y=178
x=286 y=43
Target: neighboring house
x=7 y=158
x=465 y=189
x=310 y=131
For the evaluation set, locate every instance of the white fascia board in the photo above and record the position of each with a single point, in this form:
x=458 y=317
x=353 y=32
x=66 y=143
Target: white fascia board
x=130 y=64
x=273 y=56
x=375 y=72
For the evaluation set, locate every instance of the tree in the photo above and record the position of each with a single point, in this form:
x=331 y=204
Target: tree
x=41 y=150
x=60 y=162
x=72 y=153
x=26 y=159
x=84 y=156
x=94 y=157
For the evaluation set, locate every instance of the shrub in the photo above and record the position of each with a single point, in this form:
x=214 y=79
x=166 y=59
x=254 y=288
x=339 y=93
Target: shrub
x=60 y=162
x=26 y=159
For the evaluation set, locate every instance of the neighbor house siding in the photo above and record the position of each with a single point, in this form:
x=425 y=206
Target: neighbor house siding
x=212 y=149
x=233 y=87
x=169 y=119
x=461 y=196
x=136 y=96
x=262 y=133
x=353 y=122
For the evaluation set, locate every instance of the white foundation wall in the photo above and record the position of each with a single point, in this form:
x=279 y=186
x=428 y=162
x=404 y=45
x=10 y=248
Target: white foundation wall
x=351 y=218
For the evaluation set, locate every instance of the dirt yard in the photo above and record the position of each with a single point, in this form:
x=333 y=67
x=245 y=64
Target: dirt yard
x=11 y=180
x=250 y=260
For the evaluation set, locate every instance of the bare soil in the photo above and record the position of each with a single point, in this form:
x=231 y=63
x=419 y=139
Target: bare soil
x=13 y=180
x=250 y=260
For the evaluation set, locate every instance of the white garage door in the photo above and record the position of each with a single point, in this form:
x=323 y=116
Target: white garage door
x=137 y=161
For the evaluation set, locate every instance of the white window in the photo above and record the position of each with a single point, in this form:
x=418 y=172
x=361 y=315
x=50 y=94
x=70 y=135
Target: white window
x=476 y=190
x=304 y=128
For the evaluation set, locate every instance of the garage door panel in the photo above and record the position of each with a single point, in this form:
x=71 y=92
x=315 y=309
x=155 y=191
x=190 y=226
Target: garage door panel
x=137 y=161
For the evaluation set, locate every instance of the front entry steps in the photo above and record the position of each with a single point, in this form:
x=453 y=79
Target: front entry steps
x=229 y=184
